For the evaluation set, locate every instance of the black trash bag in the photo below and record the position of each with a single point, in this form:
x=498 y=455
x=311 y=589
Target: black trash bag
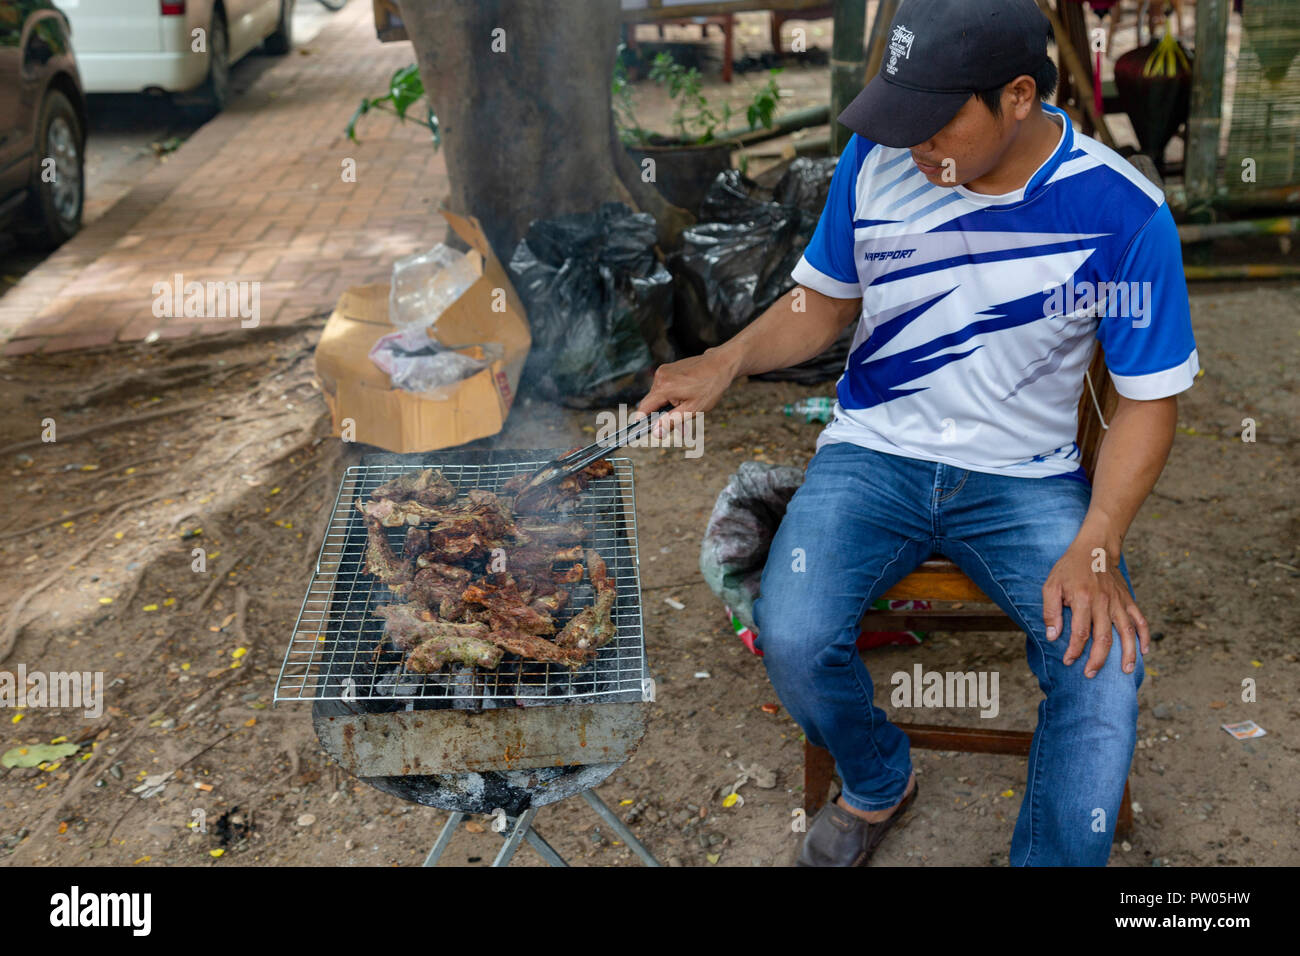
x=599 y=305
x=737 y=262
x=1156 y=105
x=740 y=531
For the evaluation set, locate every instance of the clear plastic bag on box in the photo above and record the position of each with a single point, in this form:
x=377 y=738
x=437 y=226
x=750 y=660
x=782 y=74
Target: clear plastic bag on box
x=416 y=363
x=425 y=284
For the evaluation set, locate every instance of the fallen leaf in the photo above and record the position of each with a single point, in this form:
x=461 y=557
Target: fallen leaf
x=37 y=754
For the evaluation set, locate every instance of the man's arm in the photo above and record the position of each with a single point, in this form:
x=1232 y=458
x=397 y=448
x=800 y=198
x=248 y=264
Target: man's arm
x=782 y=336
x=1132 y=455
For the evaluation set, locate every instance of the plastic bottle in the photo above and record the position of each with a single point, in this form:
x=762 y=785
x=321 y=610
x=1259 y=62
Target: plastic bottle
x=812 y=409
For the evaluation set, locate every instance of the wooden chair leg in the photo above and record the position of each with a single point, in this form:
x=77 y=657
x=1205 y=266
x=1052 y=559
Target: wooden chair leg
x=1124 y=824
x=728 y=25
x=818 y=768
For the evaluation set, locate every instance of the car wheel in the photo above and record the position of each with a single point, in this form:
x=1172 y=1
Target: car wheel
x=57 y=192
x=215 y=93
x=281 y=41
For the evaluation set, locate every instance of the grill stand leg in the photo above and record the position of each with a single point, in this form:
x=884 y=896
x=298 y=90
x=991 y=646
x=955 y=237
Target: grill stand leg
x=516 y=837
x=523 y=830
x=444 y=837
x=619 y=827
x=544 y=849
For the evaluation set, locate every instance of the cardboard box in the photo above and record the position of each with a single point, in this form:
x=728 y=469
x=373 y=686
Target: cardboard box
x=402 y=421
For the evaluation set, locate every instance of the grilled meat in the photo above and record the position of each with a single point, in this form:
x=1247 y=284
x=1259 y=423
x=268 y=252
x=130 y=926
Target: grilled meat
x=504 y=608
x=598 y=572
x=394 y=514
x=551 y=603
x=434 y=584
x=448 y=616
x=535 y=532
x=593 y=627
x=380 y=559
x=571 y=576
x=433 y=653
x=407 y=627
x=539 y=648
x=556 y=495
x=417 y=542
x=427 y=488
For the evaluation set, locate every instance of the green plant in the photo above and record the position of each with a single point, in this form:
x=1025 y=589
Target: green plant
x=404 y=89
x=695 y=120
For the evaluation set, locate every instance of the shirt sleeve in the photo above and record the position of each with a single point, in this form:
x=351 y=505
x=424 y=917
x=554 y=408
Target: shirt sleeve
x=1146 y=323
x=827 y=264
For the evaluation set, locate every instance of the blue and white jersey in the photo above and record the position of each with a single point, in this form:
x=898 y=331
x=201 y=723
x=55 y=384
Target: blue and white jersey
x=979 y=312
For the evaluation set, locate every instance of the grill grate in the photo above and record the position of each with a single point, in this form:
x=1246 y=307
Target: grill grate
x=331 y=655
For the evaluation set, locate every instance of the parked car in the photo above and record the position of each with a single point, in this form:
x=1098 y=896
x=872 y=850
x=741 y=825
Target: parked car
x=174 y=46
x=42 y=124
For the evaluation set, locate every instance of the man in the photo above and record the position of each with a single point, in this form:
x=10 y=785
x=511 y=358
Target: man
x=981 y=245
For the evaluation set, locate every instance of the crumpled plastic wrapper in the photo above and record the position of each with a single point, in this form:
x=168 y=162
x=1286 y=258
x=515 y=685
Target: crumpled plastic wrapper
x=740 y=531
x=416 y=363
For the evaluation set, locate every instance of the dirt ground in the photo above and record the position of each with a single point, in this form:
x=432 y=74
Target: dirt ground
x=221 y=444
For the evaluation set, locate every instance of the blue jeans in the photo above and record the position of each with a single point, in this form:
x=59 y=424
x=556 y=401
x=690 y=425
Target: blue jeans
x=860 y=523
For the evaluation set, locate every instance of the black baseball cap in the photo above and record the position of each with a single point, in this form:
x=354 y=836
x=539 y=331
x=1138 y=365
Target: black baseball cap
x=937 y=54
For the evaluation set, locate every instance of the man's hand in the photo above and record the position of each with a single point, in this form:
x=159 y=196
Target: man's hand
x=1097 y=599
x=801 y=324
x=1132 y=455
x=693 y=384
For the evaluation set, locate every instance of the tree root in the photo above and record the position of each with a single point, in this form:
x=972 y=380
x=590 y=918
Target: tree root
x=109 y=425
x=12 y=621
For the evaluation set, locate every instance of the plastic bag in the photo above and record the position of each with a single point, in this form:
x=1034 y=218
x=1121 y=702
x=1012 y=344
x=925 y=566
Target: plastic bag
x=740 y=531
x=599 y=304
x=738 y=261
x=425 y=284
x=737 y=541
x=416 y=363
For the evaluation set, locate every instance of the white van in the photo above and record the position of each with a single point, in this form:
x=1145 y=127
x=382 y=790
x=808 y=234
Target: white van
x=176 y=46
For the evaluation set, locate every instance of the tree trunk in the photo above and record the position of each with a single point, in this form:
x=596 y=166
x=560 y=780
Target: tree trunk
x=521 y=89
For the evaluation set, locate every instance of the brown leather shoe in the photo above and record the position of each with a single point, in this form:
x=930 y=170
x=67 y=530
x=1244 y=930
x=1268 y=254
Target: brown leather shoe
x=838 y=838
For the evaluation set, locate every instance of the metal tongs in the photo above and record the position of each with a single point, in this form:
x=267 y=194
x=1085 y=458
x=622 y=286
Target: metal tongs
x=577 y=460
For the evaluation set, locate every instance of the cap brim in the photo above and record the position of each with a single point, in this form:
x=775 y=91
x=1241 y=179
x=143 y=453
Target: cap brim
x=893 y=115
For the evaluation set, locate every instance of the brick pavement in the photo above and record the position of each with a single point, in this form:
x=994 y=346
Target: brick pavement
x=256 y=194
